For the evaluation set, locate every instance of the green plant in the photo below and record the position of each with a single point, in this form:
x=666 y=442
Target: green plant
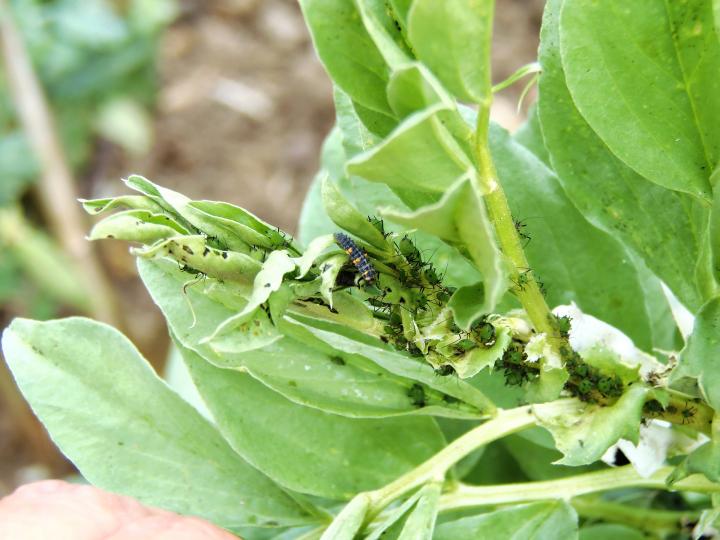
x=442 y=397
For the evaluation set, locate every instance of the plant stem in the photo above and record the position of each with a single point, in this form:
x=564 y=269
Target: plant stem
x=566 y=488
x=488 y=188
x=685 y=411
x=648 y=519
x=435 y=468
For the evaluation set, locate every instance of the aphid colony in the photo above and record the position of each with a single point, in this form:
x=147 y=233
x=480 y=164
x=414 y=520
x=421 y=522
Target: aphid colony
x=408 y=295
x=412 y=296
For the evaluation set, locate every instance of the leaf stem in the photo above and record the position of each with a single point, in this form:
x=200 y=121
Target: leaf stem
x=648 y=519
x=466 y=496
x=527 y=69
x=435 y=468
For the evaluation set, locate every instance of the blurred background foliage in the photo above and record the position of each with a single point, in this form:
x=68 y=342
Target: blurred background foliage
x=218 y=99
x=96 y=62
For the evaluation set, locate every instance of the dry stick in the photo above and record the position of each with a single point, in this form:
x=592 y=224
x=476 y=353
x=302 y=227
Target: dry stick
x=56 y=187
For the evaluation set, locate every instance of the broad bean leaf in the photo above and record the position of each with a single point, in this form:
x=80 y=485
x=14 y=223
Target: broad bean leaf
x=539 y=462
x=537 y=521
x=267 y=281
x=575 y=261
x=460 y=218
x=128 y=432
x=703 y=460
x=384 y=32
x=343 y=214
x=453 y=39
x=352 y=341
x=420 y=522
x=391 y=526
x=421 y=154
x=233 y=226
x=136 y=226
x=367 y=197
x=349 y=521
x=306 y=371
x=699 y=357
x=347 y=51
x=583 y=432
x=355 y=136
x=644 y=77
x=133 y=202
x=331 y=456
x=661 y=226
x=196 y=253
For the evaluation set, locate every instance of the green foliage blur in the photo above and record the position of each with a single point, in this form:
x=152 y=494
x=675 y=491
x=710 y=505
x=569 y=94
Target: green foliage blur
x=96 y=61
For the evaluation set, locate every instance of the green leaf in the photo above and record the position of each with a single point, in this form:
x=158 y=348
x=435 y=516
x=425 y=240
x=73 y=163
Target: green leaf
x=350 y=219
x=644 y=76
x=127 y=432
x=583 y=432
x=659 y=225
x=306 y=372
x=703 y=460
x=233 y=226
x=305 y=449
x=348 y=53
x=453 y=39
x=267 y=281
x=134 y=202
x=699 y=357
x=537 y=521
x=136 y=226
x=367 y=197
x=460 y=218
x=421 y=154
x=355 y=135
x=575 y=261
x=383 y=31
x=314 y=221
x=349 y=521
x=420 y=522
x=395 y=519
x=354 y=342
x=539 y=462
x=194 y=253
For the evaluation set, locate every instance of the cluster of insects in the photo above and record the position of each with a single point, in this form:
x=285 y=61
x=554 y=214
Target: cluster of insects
x=587 y=382
x=686 y=413
x=410 y=294
x=516 y=369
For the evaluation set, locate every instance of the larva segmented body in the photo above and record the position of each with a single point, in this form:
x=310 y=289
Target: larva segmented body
x=357 y=257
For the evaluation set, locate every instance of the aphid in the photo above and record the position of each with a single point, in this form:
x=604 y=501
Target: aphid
x=687 y=413
x=585 y=386
x=416 y=393
x=379 y=224
x=520 y=228
x=564 y=323
x=357 y=257
x=485 y=332
x=523 y=278
x=445 y=370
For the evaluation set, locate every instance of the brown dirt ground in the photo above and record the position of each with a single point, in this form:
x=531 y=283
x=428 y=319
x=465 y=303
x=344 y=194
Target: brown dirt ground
x=243 y=109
